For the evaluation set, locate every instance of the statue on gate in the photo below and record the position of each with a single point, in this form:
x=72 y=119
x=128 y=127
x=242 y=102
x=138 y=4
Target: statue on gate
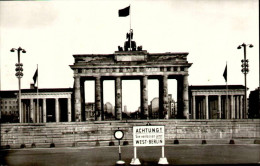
x=130 y=45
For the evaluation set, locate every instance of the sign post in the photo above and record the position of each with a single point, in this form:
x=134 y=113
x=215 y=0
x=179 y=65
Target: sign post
x=119 y=134
x=148 y=136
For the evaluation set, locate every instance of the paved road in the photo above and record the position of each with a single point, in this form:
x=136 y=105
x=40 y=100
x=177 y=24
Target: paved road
x=102 y=156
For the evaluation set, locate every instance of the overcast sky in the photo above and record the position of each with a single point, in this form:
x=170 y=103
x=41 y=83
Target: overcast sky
x=52 y=31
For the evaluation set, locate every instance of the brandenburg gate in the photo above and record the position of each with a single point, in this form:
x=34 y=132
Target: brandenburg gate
x=131 y=64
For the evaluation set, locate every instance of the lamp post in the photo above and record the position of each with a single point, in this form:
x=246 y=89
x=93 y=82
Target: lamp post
x=245 y=70
x=19 y=75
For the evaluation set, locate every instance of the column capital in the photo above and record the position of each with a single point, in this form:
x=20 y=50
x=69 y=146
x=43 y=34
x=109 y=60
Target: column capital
x=165 y=75
x=76 y=77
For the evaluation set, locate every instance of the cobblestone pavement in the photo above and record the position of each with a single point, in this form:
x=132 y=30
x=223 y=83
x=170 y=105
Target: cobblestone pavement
x=108 y=155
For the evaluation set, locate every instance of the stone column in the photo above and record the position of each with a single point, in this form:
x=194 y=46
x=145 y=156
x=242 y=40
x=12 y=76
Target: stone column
x=24 y=112
x=118 y=98
x=241 y=107
x=185 y=97
x=31 y=111
x=34 y=112
x=232 y=107
x=237 y=107
x=44 y=110
x=144 y=98
x=207 y=106
x=98 y=98
x=165 y=97
x=219 y=107
x=102 y=99
x=203 y=106
x=77 y=99
x=194 y=106
x=57 y=110
x=227 y=108
x=37 y=111
x=69 y=109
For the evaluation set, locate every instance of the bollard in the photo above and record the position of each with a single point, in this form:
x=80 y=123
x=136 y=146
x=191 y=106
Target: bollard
x=204 y=142
x=52 y=145
x=111 y=143
x=231 y=141
x=97 y=143
x=33 y=145
x=176 y=141
x=74 y=144
x=22 y=146
x=125 y=143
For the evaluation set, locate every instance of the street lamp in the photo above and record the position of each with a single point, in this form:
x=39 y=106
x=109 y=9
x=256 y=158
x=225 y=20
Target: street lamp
x=19 y=75
x=245 y=70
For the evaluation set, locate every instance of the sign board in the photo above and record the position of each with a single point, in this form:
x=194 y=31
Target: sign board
x=148 y=136
x=129 y=58
x=118 y=134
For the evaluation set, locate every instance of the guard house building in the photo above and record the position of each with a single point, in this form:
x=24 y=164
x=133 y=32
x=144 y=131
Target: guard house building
x=54 y=105
x=217 y=102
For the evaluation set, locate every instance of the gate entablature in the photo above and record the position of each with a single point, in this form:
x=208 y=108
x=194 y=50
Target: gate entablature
x=127 y=63
x=131 y=64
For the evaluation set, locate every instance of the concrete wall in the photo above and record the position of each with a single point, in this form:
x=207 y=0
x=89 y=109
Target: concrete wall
x=87 y=133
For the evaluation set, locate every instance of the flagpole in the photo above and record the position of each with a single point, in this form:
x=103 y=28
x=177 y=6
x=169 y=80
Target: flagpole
x=227 y=113
x=38 y=116
x=130 y=27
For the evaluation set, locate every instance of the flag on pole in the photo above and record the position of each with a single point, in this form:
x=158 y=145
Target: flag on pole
x=124 y=12
x=35 y=76
x=225 y=73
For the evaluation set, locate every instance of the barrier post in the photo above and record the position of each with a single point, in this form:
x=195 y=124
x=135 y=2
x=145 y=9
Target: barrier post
x=135 y=160
x=163 y=159
x=119 y=134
